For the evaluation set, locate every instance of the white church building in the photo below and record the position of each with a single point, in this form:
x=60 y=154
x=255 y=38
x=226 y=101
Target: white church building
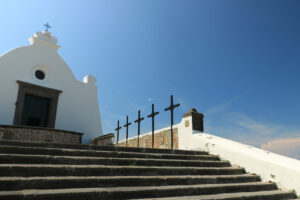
x=38 y=89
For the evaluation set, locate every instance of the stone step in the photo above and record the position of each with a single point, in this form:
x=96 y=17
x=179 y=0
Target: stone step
x=27 y=170
x=98 y=153
x=74 y=160
x=261 y=195
x=135 y=192
x=103 y=148
x=19 y=183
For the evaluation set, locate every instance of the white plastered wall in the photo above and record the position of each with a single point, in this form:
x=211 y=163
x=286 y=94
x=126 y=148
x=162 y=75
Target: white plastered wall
x=78 y=108
x=269 y=166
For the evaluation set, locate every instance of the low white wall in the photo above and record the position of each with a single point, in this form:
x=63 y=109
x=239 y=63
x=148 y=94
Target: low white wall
x=184 y=128
x=269 y=166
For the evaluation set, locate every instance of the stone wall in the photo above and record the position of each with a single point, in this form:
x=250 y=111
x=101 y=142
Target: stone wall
x=162 y=140
x=39 y=134
x=104 y=140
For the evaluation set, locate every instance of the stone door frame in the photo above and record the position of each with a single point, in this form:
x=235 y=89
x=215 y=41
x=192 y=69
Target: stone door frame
x=40 y=91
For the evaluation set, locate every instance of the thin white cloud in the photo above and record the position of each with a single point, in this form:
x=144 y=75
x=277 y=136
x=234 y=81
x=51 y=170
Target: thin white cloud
x=113 y=115
x=220 y=107
x=184 y=106
x=285 y=146
x=242 y=128
x=135 y=107
x=255 y=126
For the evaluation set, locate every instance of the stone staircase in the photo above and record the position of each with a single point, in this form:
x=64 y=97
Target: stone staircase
x=86 y=172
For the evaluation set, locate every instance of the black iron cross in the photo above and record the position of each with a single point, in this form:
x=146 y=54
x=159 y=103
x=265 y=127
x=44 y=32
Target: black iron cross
x=117 y=129
x=139 y=123
x=47 y=26
x=171 y=108
x=152 y=115
x=126 y=125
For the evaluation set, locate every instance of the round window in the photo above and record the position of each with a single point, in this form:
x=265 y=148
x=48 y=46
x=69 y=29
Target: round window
x=39 y=74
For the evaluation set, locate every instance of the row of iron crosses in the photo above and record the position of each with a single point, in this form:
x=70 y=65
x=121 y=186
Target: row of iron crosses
x=152 y=115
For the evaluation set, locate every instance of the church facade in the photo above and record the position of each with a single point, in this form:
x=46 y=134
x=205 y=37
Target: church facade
x=38 y=89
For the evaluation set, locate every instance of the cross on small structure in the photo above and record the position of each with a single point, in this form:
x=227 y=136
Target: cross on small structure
x=47 y=26
x=127 y=125
x=117 y=129
x=171 y=108
x=152 y=115
x=139 y=123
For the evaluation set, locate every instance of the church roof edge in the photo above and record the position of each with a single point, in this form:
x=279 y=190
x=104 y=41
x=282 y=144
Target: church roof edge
x=44 y=38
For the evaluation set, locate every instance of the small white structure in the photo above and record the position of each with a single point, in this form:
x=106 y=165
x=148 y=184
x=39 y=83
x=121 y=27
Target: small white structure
x=37 y=88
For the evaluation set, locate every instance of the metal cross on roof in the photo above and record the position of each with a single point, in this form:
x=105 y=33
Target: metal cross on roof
x=139 y=123
x=152 y=115
x=117 y=129
x=126 y=125
x=171 y=108
x=47 y=26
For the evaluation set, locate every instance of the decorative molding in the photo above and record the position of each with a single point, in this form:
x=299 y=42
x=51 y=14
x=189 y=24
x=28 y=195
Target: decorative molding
x=40 y=91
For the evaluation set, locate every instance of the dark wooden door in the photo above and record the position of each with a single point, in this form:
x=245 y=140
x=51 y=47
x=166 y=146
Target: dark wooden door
x=35 y=111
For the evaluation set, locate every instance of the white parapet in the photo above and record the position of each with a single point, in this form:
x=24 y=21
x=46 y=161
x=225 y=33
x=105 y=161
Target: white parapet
x=282 y=170
x=269 y=166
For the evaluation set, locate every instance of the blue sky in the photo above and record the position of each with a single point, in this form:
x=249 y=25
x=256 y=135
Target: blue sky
x=236 y=61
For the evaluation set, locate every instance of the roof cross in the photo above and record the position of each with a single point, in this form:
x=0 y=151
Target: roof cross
x=127 y=125
x=171 y=108
x=139 y=123
x=152 y=115
x=47 y=26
